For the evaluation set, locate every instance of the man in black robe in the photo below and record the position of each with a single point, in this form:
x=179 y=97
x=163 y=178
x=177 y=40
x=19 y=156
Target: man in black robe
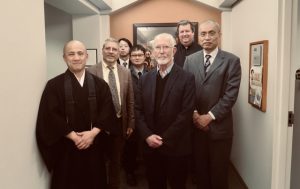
x=72 y=125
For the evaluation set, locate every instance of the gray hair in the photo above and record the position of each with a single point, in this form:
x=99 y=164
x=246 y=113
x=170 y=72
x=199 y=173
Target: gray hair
x=113 y=40
x=167 y=36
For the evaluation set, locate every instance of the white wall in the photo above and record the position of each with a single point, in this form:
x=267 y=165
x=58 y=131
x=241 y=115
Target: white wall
x=58 y=31
x=253 y=139
x=22 y=79
x=92 y=30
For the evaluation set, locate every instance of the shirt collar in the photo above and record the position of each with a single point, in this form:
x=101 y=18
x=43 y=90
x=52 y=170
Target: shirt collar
x=105 y=66
x=167 y=71
x=213 y=54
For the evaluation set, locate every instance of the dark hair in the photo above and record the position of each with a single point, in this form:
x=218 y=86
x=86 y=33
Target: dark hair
x=127 y=41
x=183 y=23
x=137 y=48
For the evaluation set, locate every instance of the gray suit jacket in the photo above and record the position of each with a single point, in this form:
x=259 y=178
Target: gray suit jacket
x=216 y=91
x=126 y=93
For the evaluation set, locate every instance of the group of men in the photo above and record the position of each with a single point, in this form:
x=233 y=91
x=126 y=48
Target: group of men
x=180 y=109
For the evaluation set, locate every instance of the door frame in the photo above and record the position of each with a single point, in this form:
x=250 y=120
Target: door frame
x=282 y=134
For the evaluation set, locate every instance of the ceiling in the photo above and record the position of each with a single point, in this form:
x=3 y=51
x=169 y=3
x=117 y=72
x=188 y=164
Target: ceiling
x=91 y=7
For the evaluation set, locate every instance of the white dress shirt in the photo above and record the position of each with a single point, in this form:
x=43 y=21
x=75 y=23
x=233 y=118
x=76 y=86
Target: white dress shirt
x=105 y=76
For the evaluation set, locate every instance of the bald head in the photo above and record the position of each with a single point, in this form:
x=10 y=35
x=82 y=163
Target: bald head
x=75 y=56
x=72 y=43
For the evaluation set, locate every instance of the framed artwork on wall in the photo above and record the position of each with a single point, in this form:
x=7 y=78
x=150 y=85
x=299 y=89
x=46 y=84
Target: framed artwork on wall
x=258 y=74
x=143 y=33
x=93 y=57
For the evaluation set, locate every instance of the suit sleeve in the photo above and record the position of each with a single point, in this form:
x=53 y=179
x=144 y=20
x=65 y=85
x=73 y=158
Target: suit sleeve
x=230 y=90
x=130 y=102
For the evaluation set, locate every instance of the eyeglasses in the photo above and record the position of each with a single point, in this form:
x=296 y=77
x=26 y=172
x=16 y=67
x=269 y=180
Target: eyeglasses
x=137 y=55
x=164 y=48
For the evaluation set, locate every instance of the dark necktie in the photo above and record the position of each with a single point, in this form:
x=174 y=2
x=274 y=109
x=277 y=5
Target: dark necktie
x=139 y=74
x=207 y=62
x=113 y=89
x=124 y=64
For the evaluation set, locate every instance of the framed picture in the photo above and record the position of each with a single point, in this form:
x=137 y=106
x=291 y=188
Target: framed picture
x=93 y=57
x=144 y=33
x=258 y=74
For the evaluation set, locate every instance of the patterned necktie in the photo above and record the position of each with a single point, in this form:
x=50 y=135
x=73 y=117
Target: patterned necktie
x=113 y=89
x=207 y=62
x=139 y=74
x=125 y=64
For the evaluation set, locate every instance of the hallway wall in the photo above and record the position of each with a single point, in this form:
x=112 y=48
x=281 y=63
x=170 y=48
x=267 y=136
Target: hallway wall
x=58 y=28
x=157 y=11
x=253 y=140
x=22 y=79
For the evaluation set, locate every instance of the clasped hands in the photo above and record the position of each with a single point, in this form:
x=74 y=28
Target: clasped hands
x=85 y=139
x=202 y=121
x=154 y=141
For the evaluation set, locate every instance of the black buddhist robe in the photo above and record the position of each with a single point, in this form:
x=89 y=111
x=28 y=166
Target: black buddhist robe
x=71 y=168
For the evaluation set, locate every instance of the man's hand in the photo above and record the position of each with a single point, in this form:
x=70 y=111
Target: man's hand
x=202 y=121
x=85 y=139
x=154 y=141
x=129 y=132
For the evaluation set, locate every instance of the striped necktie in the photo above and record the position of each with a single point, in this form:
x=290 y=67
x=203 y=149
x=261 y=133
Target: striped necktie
x=207 y=62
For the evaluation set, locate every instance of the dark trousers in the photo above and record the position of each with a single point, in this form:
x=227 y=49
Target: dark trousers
x=161 y=168
x=114 y=152
x=211 y=159
x=130 y=153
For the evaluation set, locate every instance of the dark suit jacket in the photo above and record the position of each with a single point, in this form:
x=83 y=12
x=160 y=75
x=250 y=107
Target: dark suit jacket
x=176 y=109
x=129 y=62
x=135 y=78
x=218 y=90
x=126 y=91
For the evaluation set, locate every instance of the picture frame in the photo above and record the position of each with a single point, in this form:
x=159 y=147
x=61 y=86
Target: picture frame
x=258 y=74
x=92 y=57
x=143 y=33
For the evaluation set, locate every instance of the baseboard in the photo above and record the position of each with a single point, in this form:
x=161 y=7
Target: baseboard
x=238 y=176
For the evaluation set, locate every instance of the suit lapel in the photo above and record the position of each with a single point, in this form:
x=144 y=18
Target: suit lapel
x=151 y=83
x=121 y=81
x=217 y=63
x=200 y=66
x=170 y=83
x=99 y=70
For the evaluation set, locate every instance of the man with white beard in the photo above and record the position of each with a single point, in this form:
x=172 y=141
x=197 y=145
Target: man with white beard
x=164 y=107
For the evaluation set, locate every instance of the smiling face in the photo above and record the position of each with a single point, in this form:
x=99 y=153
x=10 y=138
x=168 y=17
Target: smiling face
x=75 y=56
x=110 y=52
x=209 y=36
x=185 y=35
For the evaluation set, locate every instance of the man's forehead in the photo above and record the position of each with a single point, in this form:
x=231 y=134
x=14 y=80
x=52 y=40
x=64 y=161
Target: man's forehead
x=112 y=44
x=185 y=26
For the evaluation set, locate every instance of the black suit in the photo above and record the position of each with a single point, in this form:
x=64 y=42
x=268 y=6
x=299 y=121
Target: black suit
x=216 y=91
x=173 y=122
x=131 y=145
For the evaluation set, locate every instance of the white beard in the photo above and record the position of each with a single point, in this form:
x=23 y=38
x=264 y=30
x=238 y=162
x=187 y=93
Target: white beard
x=163 y=61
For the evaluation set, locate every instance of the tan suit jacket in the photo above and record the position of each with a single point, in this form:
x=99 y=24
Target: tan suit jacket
x=126 y=93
